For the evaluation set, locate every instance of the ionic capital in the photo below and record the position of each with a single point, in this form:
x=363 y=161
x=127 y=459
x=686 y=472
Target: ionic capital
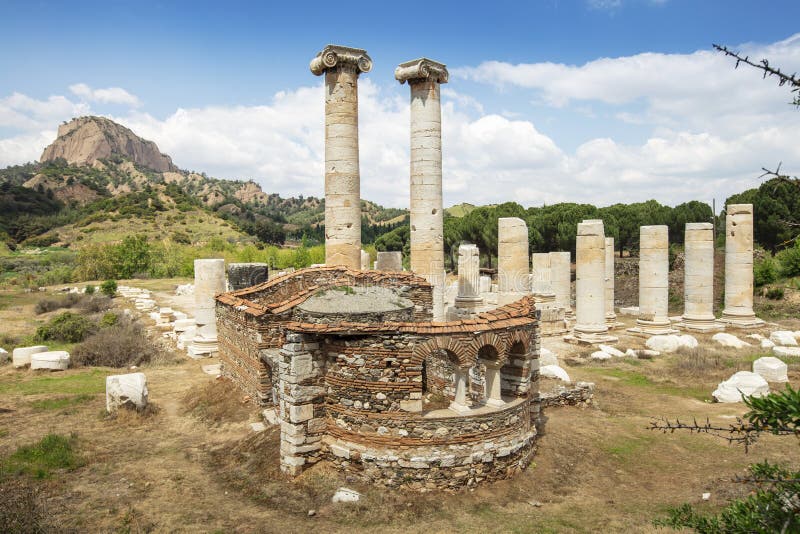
x=421 y=69
x=341 y=56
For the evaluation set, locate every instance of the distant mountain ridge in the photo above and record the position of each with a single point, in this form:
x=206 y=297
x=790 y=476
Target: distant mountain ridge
x=85 y=140
x=96 y=165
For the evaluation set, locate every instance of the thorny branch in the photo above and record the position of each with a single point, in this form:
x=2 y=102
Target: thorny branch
x=783 y=78
x=741 y=432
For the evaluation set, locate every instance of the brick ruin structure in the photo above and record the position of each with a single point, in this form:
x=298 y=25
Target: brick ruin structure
x=378 y=388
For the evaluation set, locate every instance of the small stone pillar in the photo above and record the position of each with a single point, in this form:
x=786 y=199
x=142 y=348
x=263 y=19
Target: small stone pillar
x=492 y=384
x=590 y=286
x=561 y=279
x=542 y=287
x=424 y=77
x=341 y=66
x=513 y=273
x=738 y=312
x=469 y=296
x=459 y=403
x=209 y=280
x=364 y=260
x=389 y=261
x=243 y=275
x=611 y=317
x=698 y=301
x=653 y=282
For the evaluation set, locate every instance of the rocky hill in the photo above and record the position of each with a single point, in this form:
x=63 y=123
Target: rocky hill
x=85 y=140
x=101 y=173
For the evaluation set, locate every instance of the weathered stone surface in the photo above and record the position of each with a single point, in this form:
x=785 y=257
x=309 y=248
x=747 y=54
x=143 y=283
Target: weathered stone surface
x=341 y=66
x=84 y=140
x=608 y=349
x=547 y=357
x=742 y=383
x=653 y=316
x=698 y=313
x=788 y=352
x=21 y=356
x=346 y=495
x=242 y=275
x=729 y=340
x=469 y=296
x=766 y=344
x=738 y=310
x=600 y=355
x=513 y=280
x=4 y=357
x=611 y=317
x=666 y=343
x=784 y=338
x=771 y=368
x=687 y=342
x=554 y=371
x=126 y=390
x=561 y=279
x=389 y=261
x=56 y=360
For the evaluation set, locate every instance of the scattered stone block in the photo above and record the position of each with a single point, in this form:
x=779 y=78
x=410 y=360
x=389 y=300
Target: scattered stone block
x=600 y=355
x=258 y=427
x=787 y=352
x=56 y=360
x=346 y=495
x=771 y=368
x=767 y=344
x=687 y=342
x=663 y=343
x=128 y=390
x=631 y=353
x=612 y=351
x=3 y=356
x=729 y=340
x=783 y=338
x=742 y=383
x=547 y=357
x=21 y=356
x=213 y=369
x=632 y=311
x=647 y=354
x=554 y=371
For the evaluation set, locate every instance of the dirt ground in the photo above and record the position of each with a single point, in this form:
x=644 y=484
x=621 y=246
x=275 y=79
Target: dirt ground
x=183 y=469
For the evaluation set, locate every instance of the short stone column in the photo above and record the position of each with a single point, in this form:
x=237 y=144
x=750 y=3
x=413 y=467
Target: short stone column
x=513 y=273
x=459 y=403
x=542 y=285
x=561 y=279
x=590 y=286
x=389 y=261
x=698 y=301
x=424 y=77
x=611 y=316
x=653 y=282
x=493 y=392
x=209 y=280
x=469 y=296
x=364 y=260
x=738 y=312
x=341 y=66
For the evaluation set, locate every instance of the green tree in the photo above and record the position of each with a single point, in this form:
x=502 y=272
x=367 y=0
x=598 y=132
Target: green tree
x=132 y=256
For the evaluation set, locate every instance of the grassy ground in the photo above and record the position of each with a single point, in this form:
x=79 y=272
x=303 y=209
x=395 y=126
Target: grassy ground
x=191 y=464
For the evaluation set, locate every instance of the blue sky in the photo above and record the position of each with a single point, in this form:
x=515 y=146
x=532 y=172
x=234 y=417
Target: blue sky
x=624 y=94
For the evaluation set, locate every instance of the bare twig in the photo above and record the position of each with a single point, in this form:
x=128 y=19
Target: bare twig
x=742 y=432
x=783 y=79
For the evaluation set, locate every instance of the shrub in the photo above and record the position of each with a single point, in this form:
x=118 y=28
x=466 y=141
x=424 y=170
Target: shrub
x=765 y=271
x=109 y=288
x=66 y=327
x=790 y=260
x=109 y=319
x=50 y=304
x=774 y=293
x=95 y=303
x=89 y=290
x=120 y=345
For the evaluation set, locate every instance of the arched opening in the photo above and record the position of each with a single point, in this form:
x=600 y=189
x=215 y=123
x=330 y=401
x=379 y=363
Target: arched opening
x=487 y=367
x=439 y=379
x=515 y=373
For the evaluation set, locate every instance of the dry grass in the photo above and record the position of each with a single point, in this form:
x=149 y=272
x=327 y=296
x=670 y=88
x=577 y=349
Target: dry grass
x=219 y=401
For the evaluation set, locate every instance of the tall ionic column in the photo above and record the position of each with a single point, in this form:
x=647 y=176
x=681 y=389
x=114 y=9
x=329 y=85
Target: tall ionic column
x=611 y=317
x=738 y=312
x=653 y=281
x=513 y=273
x=561 y=279
x=590 y=285
x=341 y=66
x=469 y=296
x=427 y=224
x=698 y=301
x=209 y=280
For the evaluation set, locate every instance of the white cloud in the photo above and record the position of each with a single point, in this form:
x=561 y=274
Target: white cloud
x=708 y=130
x=109 y=95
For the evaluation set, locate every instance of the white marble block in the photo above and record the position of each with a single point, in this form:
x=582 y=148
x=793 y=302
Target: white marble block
x=21 y=356
x=56 y=360
x=128 y=390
